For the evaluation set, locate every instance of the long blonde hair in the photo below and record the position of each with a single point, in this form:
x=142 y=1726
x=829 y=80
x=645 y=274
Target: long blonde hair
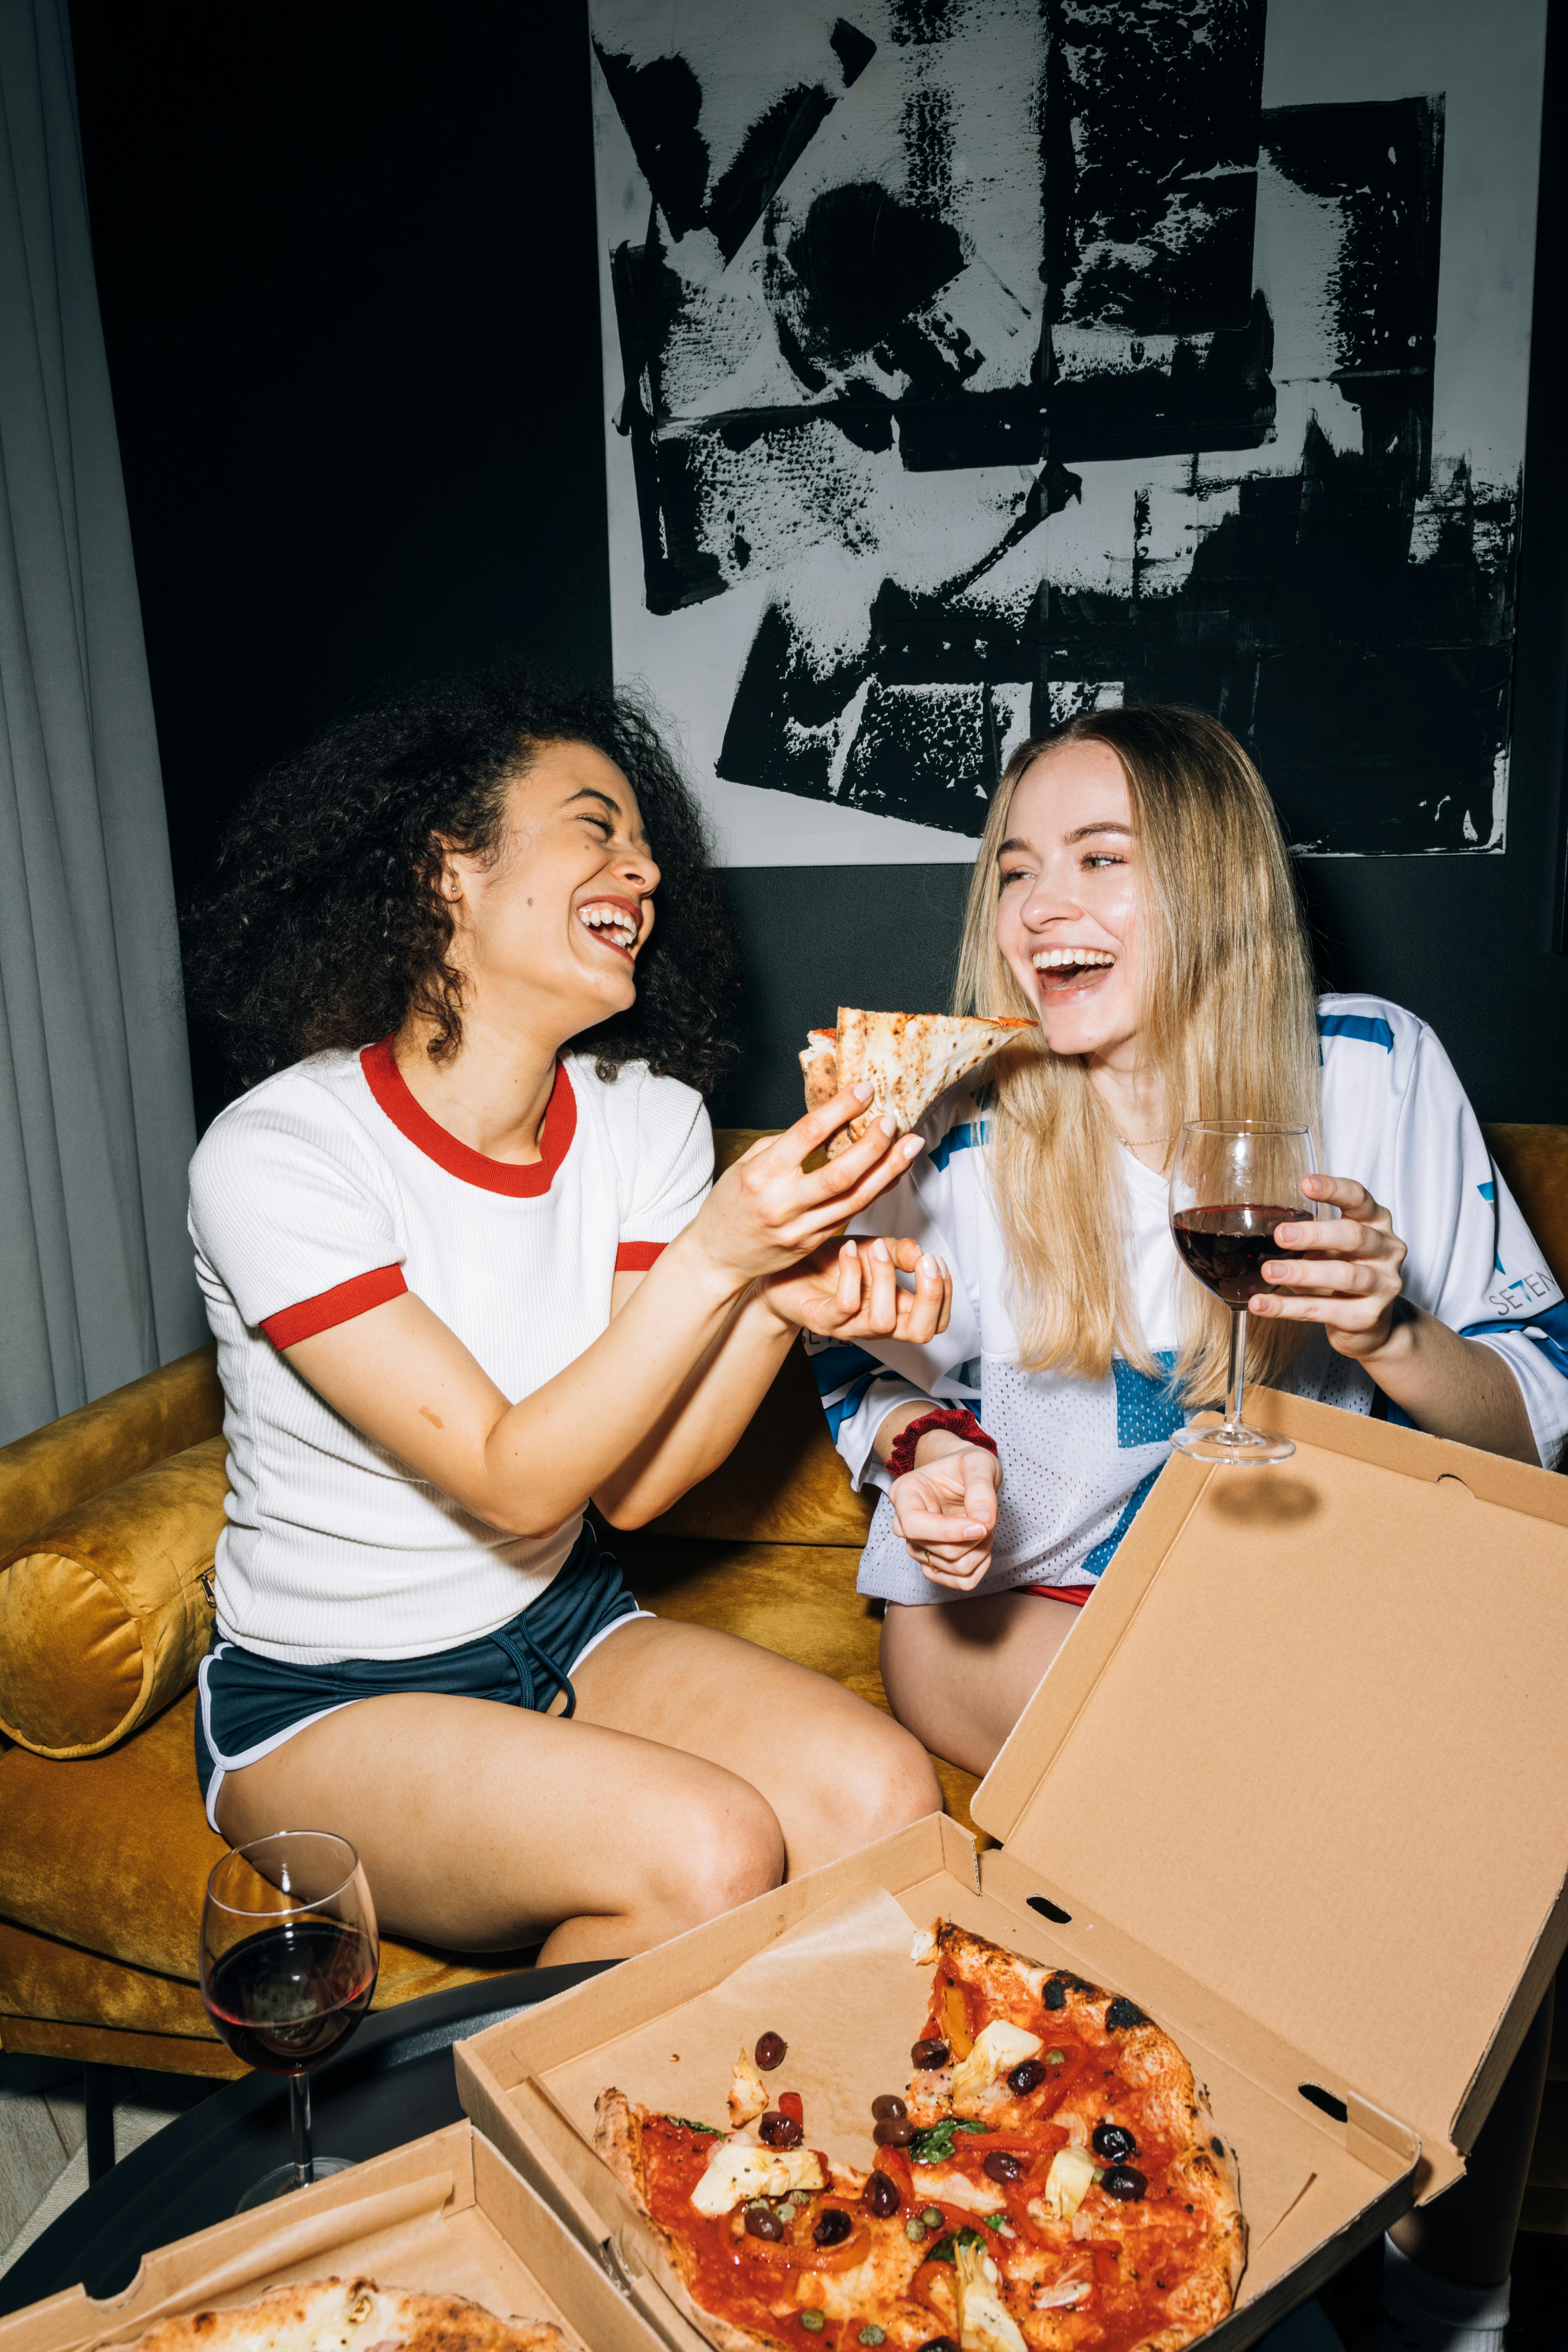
x=1230 y=1026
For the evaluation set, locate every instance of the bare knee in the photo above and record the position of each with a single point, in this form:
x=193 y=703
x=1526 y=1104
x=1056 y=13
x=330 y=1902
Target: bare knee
x=731 y=1848
x=881 y=1782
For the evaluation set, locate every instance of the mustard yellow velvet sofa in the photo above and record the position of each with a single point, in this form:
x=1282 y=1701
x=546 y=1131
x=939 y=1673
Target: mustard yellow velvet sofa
x=108 y=1524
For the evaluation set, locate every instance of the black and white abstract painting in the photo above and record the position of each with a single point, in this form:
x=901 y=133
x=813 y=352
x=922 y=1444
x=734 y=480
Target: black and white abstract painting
x=973 y=362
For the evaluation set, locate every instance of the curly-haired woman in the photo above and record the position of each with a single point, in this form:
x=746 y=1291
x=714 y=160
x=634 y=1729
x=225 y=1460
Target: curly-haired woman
x=468 y=1272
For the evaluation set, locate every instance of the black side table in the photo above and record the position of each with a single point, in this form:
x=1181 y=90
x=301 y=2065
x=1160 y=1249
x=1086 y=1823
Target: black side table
x=394 y=2082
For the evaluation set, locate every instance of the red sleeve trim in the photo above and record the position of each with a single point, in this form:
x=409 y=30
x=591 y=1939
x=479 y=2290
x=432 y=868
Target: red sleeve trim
x=635 y=1257
x=1076 y=1595
x=330 y=1307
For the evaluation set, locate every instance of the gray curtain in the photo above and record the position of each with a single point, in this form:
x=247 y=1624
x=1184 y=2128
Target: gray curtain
x=96 y=1127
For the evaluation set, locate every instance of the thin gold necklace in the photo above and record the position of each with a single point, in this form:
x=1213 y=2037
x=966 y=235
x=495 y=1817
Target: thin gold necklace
x=1143 y=1143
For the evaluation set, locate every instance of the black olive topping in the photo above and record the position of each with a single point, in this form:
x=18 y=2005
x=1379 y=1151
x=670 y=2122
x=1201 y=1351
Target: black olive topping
x=1125 y=2183
x=832 y=2227
x=1114 y=2142
x=1054 y=1995
x=762 y=2221
x=1123 y=2011
x=777 y=2130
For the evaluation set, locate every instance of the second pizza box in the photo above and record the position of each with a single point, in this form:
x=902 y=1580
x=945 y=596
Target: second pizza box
x=446 y=2215
x=1297 y=1784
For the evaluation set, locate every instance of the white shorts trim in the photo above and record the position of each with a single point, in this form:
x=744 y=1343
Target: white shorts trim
x=592 y=1644
x=223 y=1765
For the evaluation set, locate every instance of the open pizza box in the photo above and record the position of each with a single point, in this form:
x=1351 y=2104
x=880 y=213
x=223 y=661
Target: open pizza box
x=1297 y=1785
x=446 y=2215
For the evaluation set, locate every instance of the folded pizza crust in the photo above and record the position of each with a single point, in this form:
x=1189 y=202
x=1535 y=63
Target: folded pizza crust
x=910 y=1059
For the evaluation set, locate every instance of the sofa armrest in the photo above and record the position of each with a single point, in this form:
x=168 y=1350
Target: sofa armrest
x=92 y=1449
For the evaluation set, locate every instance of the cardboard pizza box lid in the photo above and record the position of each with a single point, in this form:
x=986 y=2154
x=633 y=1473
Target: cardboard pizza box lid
x=1310 y=1746
x=444 y=2215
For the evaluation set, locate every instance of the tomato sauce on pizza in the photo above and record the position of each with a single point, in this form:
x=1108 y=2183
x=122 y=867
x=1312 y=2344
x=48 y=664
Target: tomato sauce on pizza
x=1050 y=2181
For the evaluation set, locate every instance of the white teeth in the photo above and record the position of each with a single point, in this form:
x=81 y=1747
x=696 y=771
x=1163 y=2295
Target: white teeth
x=612 y=920
x=1053 y=958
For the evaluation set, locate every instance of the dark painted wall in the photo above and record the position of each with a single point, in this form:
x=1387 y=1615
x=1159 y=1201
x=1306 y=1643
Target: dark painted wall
x=346 y=259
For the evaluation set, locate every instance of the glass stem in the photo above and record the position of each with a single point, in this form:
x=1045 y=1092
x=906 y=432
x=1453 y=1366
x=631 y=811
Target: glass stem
x=299 y=2117
x=1237 y=1370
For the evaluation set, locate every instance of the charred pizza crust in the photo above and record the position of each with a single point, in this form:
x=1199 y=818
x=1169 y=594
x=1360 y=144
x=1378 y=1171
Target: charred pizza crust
x=335 y=2314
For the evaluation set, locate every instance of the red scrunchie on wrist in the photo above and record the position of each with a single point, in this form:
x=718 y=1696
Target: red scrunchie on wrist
x=959 y=1419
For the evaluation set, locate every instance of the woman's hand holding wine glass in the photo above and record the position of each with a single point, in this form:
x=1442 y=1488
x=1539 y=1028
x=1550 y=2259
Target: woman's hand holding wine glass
x=1353 y=1279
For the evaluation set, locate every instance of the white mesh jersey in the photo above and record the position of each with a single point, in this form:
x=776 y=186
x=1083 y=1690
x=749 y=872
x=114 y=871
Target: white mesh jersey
x=328 y=1190
x=1080 y=1456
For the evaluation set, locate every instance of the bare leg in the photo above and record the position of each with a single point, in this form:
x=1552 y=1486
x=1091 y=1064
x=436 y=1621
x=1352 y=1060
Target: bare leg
x=834 y=1770
x=483 y=1827
x=959 y=1673
x=1468 y=2234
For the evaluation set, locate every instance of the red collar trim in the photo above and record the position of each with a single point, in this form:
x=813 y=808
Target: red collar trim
x=520 y=1181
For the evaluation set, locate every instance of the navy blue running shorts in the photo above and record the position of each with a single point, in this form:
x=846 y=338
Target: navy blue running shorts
x=248 y=1704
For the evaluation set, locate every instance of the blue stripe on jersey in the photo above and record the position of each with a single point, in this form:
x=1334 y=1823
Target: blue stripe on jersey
x=1487 y=1192
x=1096 y=1561
x=1370 y=1030
x=844 y=1408
x=957 y=1139
x=832 y=1366
x=1549 y=1332
x=1146 y=1411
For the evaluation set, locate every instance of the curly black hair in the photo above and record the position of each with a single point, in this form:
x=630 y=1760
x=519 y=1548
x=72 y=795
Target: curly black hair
x=320 y=924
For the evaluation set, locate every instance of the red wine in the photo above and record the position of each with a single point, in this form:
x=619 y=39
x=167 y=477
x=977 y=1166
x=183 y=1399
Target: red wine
x=285 y=1999
x=1225 y=1247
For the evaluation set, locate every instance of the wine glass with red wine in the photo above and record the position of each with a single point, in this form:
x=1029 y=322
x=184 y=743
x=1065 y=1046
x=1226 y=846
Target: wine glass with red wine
x=1233 y=1182
x=289 y=1955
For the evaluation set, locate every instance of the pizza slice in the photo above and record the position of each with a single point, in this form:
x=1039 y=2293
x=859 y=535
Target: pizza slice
x=911 y=1058
x=1072 y=2130
x=335 y=2314
x=773 y=2246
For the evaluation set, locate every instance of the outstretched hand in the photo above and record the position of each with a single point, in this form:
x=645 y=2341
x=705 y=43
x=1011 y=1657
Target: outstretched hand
x=768 y=1211
x=946 y=1509
x=850 y=1291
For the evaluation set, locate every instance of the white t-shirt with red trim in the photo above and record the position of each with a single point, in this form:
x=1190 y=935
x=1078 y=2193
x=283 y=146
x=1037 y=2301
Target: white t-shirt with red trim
x=326 y=1190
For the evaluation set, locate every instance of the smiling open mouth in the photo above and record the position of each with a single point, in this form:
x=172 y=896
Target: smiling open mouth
x=612 y=922
x=1062 y=970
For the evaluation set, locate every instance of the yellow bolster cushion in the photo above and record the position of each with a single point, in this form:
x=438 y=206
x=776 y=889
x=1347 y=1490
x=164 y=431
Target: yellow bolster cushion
x=103 y=1614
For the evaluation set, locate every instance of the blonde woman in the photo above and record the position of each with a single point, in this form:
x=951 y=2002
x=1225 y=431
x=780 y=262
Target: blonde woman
x=1133 y=893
